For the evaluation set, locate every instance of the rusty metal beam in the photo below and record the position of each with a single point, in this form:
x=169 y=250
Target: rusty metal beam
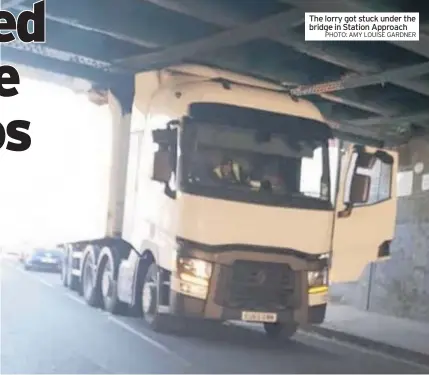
x=346 y=59
x=334 y=55
x=263 y=28
x=366 y=80
x=291 y=78
x=420 y=47
x=61 y=55
x=21 y=57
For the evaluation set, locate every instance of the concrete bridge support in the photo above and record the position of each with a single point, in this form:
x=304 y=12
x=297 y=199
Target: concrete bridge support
x=120 y=100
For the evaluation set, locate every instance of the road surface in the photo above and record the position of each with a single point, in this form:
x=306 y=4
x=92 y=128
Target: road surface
x=48 y=329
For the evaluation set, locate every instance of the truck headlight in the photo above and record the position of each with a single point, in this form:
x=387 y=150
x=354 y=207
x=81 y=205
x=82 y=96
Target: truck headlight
x=196 y=269
x=194 y=276
x=318 y=279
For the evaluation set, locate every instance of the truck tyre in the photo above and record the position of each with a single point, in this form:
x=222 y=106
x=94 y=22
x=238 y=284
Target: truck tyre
x=64 y=275
x=108 y=276
x=317 y=314
x=149 y=299
x=68 y=279
x=65 y=271
x=90 y=286
x=278 y=330
x=74 y=283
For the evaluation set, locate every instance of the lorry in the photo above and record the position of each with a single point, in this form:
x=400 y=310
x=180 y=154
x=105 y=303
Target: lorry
x=311 y=211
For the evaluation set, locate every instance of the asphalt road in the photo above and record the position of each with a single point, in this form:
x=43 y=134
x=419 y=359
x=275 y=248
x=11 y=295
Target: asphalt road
x=47 y=329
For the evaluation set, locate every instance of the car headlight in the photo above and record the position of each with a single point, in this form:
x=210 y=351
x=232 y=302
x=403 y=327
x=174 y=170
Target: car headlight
x=195 y=267
x=318 y=278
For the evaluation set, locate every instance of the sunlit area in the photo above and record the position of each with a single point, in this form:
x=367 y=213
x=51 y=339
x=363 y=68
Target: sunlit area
x=56 y=190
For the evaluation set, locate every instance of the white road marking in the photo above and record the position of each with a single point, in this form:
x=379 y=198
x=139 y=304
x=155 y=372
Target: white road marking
x=33 y=276
x=75 y=298
x=149 y=340
x=44 y=282
x=366 y=351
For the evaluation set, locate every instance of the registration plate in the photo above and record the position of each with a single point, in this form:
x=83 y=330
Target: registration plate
x=262 y=317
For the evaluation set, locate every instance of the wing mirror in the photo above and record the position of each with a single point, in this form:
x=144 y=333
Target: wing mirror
x=367 y=160
x=161 y=166
x=162 y=136
x=166 y=136
x=359 y=192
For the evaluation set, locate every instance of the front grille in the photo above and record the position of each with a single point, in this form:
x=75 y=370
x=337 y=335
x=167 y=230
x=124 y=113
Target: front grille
x=261 y=286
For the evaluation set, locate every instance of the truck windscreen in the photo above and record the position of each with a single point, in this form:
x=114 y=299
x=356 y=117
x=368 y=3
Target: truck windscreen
x=265 y=166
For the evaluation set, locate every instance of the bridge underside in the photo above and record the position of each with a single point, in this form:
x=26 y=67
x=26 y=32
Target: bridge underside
x=377 y=91
x=381 y=89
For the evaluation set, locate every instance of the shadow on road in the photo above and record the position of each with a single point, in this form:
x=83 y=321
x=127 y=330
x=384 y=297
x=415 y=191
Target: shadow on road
x=231 y=334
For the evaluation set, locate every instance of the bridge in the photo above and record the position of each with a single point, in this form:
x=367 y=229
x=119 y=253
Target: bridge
x=372 y=92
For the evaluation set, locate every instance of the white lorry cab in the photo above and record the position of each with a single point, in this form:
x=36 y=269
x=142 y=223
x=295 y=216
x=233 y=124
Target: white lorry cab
x=239 y=205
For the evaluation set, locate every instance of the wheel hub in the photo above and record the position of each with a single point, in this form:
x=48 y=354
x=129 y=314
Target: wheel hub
x=88 y=279
x=148 y=297
x=106 y=283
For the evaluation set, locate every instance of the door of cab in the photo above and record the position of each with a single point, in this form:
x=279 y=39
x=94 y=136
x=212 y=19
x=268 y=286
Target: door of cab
x=365 y=211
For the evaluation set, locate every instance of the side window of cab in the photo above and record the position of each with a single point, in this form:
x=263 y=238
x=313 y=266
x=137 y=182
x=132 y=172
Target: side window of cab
x=379 y=171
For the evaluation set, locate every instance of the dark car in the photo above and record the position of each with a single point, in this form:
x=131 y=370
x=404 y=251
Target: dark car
x=43 y=260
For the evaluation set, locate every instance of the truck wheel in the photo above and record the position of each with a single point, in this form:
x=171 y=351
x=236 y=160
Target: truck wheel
x=68 y=279
x=109 y=287
x=278 y=330
x=74 y=283
x=90 y=290
x=64 y=274
x=149 y=299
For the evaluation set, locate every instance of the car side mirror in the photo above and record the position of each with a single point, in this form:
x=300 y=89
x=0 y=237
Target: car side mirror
x=359 y=192
x=161 y=166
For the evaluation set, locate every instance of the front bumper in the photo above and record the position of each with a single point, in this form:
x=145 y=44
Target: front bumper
x=191 y=307
x=302 y=307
